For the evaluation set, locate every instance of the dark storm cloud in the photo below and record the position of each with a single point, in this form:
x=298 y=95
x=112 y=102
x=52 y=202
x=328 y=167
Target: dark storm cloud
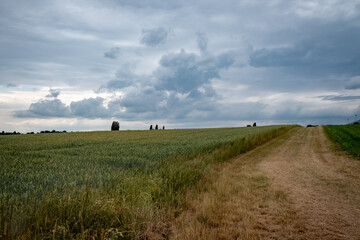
x=154 y=37
x=113 y=53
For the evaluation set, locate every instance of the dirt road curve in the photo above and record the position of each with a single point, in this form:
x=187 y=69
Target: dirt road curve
x=295 y=187
x=323 y=186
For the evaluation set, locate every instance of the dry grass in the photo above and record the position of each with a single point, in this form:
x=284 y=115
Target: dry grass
x=238 y=202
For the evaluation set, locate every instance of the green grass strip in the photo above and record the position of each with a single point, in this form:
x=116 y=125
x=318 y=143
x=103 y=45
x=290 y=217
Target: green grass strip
x=347 y=137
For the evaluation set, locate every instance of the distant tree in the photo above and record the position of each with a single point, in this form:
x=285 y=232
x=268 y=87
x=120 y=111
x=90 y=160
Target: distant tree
x=151 y=128
x=163 y=127
x=156 y=127
x=248 y=126
x=254 y=125
x=115 y=126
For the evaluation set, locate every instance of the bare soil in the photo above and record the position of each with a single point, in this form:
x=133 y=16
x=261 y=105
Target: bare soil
x=295 y=187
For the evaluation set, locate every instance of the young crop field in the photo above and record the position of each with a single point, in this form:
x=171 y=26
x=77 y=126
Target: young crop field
x=107 y=185
x=347 y=136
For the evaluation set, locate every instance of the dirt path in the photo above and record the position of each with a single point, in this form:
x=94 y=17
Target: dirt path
x=295 y=187
x=323 y=186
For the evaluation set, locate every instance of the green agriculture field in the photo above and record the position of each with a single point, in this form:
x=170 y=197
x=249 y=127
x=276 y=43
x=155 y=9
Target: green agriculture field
x=107 y=185
x=347 y=136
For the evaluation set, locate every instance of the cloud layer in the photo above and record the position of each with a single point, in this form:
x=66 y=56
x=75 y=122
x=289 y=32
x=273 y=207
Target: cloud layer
x=183 y=62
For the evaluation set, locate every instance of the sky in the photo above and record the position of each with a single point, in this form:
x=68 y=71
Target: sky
x=78 y=65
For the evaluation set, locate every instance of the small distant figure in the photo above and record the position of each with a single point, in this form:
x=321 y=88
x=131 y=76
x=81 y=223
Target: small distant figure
x=254 y=125
x=150 y=127
x=163 y=127
x=156 y=127
x=248 y=126
x=115 y=126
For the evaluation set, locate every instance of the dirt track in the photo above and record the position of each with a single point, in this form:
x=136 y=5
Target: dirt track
x=323 y=186
x=295 y=187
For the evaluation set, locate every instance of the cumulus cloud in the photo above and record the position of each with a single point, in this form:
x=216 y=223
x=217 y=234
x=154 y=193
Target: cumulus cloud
x=89 y=108
x=113 y=53
x=179 y=88
x=183 y=72
x=154 y=37
x=53 y=93
x=124 y=77
x=45 y=109
x=139 y=101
